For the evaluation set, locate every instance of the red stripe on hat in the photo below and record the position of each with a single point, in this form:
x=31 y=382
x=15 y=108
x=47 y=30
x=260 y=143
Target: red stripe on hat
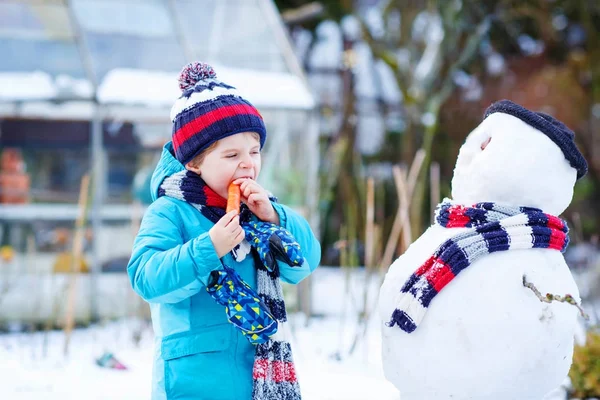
x=439 y=275
x=205 y=120
x=276 y=371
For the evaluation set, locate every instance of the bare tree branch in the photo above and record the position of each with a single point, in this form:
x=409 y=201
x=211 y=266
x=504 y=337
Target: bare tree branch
x=388 y=57
x=549 y=298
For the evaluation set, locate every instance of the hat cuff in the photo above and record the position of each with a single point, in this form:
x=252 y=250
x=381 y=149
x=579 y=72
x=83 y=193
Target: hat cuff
x=258 y=129
x=558 y=132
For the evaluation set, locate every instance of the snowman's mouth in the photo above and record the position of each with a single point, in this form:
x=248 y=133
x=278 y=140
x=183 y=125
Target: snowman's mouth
x=485 y=143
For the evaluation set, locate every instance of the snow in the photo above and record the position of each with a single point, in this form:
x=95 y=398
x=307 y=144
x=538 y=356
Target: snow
x=153 y=89
x=38 y=85
x=327 y=51
x=159 y=89
x=560 y=22
x=428 y=119
x=365 y=85
x=428 y=28
x=351 y=27
x=321 y=350
x=530 y=46
x=71 y=110
x=374 y=20
x=389 y=87
x=495 y=64
x=371 y=130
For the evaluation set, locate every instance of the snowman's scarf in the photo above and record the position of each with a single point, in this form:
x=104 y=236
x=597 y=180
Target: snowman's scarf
x=492 y=227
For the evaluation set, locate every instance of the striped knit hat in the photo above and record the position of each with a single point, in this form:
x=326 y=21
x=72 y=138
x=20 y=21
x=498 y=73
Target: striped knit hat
x=558 y=132
x=207 y=111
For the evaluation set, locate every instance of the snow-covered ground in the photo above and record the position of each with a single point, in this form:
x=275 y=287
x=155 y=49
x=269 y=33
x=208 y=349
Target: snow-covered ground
x=25 y=373
x=33 y=365
x=321 y=349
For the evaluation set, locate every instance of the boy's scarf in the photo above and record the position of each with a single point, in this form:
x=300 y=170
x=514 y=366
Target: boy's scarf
x=274 y=374
x=492 y=227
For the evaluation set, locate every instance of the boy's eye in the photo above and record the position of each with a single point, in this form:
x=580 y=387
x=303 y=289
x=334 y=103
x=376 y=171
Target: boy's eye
x=230 y=155
x=256 y=152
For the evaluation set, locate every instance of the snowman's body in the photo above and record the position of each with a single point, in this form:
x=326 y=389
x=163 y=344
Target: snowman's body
x=486 y=336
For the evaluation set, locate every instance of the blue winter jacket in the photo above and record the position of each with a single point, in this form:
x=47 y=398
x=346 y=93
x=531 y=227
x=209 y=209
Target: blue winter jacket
x=198 y=354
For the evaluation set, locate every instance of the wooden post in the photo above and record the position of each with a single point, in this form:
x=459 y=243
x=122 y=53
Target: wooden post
x=76 y=257
x=404 y=190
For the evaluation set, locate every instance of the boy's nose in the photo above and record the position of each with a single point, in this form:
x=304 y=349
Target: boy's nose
x=247 y=162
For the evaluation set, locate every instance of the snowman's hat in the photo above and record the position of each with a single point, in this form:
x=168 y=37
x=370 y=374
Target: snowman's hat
x=548 y=125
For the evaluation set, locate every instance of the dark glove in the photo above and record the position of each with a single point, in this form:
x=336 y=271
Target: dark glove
x=272 y=243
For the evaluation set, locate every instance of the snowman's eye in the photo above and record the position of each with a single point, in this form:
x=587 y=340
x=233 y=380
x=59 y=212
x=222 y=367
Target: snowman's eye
x=484 y=144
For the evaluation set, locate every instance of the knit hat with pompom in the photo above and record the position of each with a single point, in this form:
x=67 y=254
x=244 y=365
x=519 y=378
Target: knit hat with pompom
x=209 y=110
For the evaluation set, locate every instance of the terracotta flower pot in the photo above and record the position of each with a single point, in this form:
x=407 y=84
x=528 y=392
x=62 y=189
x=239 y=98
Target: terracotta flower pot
x=14 y=187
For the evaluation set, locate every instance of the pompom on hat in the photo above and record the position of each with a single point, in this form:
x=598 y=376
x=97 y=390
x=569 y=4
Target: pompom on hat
x=209 y=110
x=558 y=132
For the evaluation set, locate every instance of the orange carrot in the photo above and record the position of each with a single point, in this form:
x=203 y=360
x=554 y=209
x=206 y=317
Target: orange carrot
x=233 y=198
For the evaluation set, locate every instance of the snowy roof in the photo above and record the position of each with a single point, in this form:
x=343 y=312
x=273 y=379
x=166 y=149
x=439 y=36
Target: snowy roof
x=159 y=89
x=138 y=94
x=38 y=85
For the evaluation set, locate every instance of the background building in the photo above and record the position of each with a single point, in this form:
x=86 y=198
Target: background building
x=86 y=87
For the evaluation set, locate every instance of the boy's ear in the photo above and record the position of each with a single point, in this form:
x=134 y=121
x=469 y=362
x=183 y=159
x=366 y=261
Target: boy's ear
x=192 y=167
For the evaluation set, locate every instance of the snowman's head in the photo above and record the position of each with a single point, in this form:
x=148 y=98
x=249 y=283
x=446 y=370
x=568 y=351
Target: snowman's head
x=518 y=157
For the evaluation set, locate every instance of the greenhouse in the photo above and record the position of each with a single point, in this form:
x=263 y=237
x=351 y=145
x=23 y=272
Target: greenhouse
x=86 y=88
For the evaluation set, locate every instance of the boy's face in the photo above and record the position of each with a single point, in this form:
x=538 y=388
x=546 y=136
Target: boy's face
x=236 y=156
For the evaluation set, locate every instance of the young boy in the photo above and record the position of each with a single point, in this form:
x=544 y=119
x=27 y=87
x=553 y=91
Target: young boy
x=191 y=258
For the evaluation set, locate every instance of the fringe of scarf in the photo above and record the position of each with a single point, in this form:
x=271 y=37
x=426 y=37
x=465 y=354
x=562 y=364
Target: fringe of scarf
x=274 y=373
x=491 y=227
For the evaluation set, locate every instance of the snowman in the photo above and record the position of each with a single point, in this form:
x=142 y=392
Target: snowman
x=458 y=321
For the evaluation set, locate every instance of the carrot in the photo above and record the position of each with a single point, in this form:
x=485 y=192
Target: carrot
x=233 y=198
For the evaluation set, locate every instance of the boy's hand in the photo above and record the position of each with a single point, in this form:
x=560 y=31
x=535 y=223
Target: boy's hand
x=257 y=200
x=227 y=233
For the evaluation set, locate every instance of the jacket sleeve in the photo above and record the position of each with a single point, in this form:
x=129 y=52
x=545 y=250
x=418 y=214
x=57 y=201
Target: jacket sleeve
x=164 y=269
x=309 y=244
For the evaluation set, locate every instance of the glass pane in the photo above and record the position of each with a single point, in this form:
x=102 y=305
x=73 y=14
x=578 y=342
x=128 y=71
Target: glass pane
x=129 y=34
x=38 y=37
x=252 y=33
x=112 y=51
x=152 y=135
x=37 y=21
x=252 y=44
x=52 y=57
x=55 y=173
x=147 y=19
x=128 y=175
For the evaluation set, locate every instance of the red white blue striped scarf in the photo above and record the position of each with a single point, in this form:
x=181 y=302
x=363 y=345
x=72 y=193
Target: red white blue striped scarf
x=492 y=227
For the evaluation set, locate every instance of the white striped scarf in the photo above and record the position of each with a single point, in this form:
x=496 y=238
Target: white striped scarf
x=492 y=227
